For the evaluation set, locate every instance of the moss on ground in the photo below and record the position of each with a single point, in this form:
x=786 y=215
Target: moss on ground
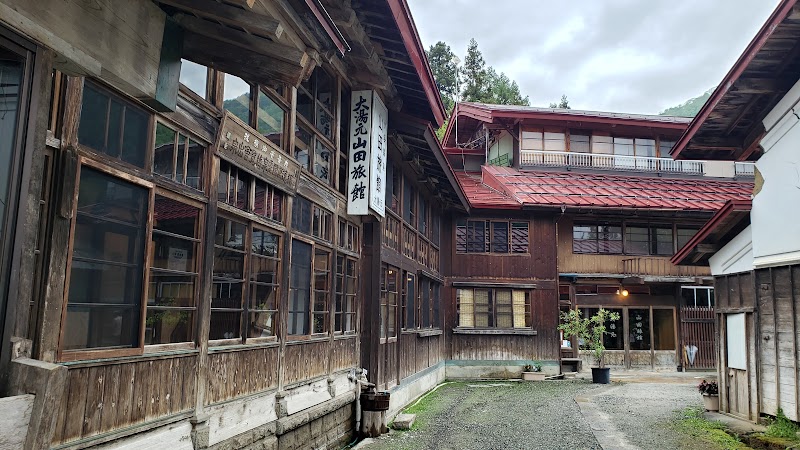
x=691 y=422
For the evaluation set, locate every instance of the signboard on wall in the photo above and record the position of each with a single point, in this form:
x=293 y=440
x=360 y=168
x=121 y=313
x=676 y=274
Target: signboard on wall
x=244 y=147
x=366 y=182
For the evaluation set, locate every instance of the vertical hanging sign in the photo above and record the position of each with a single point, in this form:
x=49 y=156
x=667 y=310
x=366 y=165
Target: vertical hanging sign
x=377 y=173
x=366 y=182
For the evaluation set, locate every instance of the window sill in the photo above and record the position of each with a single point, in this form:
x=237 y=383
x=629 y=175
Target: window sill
x=428 y=333
x=307 y=339
x=497 y=331
x=239 y=346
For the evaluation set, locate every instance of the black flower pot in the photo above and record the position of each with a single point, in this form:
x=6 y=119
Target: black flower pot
x=601 y=375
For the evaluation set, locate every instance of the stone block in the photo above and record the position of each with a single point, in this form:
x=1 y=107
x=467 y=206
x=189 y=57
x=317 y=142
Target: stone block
x=316 y=428
x=404 y=421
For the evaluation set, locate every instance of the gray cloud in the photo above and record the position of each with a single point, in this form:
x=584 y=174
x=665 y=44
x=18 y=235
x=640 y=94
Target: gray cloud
x=638 y=56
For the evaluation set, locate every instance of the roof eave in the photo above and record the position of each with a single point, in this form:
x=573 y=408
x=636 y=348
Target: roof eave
x=730 y=207
x=733 y=74
x=416 y=52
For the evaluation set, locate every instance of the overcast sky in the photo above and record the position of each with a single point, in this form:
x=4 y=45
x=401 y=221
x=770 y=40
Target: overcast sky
x=637 y=56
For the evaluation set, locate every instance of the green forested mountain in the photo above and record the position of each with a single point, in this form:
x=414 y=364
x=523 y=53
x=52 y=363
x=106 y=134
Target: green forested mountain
x=690 y=107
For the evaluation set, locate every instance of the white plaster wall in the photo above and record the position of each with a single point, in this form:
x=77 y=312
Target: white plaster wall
x=503 y=145
x=736 y=256
x=775 y=216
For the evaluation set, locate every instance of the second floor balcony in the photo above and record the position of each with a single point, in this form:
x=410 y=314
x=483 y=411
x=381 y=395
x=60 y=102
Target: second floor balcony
x=569 y=160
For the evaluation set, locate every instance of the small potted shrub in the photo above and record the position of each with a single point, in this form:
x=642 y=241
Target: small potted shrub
x=591 y=331
x=710 y=393
x=533 y=372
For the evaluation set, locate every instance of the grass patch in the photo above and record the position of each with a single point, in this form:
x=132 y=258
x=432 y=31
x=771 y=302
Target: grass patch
x=782 y=427
x=691 y=422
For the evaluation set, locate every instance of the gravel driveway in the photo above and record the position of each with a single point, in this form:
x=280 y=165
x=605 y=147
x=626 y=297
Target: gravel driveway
x=545 y=415
x=498 y=415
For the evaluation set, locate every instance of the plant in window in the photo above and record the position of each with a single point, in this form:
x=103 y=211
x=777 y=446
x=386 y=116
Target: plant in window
x=590 y=330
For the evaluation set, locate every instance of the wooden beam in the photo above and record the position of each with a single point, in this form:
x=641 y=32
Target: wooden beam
x=247 y=64
x=169 y=70
x=243 y=40
x=759 y=85
x=752 y=142
x=249 y=20
x=707 y=248
x=741 y=114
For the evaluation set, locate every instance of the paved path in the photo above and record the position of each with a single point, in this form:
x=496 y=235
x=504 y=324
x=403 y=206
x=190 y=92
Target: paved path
x=573 y=414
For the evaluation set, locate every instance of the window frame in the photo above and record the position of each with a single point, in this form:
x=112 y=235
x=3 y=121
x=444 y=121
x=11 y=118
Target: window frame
x=330 y=144
x=315 y=245
x=198 y=274
x=341 y=290
x=81 y=354
x=491 y=311
x=469 y=234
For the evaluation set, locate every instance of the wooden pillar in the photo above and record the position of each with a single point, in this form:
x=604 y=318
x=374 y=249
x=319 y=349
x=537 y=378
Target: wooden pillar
x=371 y=300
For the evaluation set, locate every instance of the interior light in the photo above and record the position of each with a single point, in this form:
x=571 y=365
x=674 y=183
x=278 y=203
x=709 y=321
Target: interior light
x=624 y=292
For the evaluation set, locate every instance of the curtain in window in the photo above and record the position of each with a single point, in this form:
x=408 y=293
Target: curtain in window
x=519 y=309
x=466 y=316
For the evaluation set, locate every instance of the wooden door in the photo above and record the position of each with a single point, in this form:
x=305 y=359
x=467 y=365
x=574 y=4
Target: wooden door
x=697 y=336
x=736 y=330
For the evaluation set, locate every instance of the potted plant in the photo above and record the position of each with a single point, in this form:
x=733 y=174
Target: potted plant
x=533 y=372
x=590 y=331
x=710 y=393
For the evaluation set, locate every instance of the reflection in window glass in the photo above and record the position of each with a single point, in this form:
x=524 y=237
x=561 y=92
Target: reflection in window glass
x=164 y=152
x=236 y=96
x=263 y=307
x=105 y=288
x=228 y=278
x=270 y=119
x=173 y=273
x=194 y=76
x=113 y=127
x=299 y=289
x=302 y=146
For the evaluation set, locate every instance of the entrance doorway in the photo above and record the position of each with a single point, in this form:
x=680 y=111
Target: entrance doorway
x=697 y=328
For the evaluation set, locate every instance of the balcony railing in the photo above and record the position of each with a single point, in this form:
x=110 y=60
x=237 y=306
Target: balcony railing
x=610 y=162
x=660 y=266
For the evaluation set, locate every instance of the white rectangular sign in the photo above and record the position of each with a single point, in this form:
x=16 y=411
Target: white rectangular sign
x=366 y=181
x=377 y=171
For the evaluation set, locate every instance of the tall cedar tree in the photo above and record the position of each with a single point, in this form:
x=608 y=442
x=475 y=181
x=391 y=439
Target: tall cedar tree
x=476 y=77
x=445 y=71
x=563 y=104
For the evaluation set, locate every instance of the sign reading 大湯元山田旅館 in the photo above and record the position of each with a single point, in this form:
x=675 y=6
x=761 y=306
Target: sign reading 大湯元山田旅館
x=366 y=184
x=244 y=147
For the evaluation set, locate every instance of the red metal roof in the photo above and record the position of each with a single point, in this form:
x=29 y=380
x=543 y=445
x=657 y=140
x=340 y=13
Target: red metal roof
x=482 y=196
x=505 y=187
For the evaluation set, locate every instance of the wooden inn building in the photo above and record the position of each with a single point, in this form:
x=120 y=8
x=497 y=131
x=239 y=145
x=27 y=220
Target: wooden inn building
x=215 y=213
x=178 y=266
x=579 y=209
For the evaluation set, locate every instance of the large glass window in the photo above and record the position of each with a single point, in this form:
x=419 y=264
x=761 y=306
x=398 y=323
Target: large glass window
x=409 y=203
x=639 y=328
x=227 y=299
x=107 y=267
x=271 y=119
x=390 y=291
x=322 y=272
x=479 y=236
x=177 y=157
x=652 y=240
x=409 y=301
x=264 y=281
x=345 y=305
x=171 y=302
x=113 y=126
x=195 y=77
x=317 y=101
x=300 y=288
x=236 y=97
x=493 y=308
x=697 y=296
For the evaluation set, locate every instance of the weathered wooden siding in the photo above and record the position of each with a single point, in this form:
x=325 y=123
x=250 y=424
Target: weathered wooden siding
x=569 y=262
x=778 y=297
x=237 y=373
x=305 y=360
x=103 y=398
x=538 y=264
x=343 y=354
